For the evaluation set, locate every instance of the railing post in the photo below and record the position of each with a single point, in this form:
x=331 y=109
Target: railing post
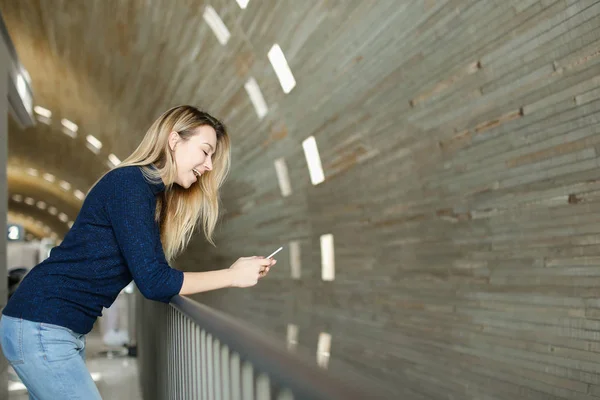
x=189 y=351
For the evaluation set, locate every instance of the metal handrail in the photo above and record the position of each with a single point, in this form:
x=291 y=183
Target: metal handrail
x=187 y=350
x=290 y=370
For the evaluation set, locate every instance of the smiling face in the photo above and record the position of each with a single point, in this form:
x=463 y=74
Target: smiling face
x=193 y=156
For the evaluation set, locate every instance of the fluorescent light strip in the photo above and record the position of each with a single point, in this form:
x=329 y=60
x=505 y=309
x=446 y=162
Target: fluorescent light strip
x=243 y=3
x=327 y=258
x=79 y=194
x=256 y=97
x=323 y=349
x=114 y=160
x=216 y=24
x=295 y=259
x=311 y=152
x=292 y=336
x=282 y=69
x=41 y=111
x=94 y=142
x=283 y=177
x=65 y=185
x=49 y=177
x=70 y=128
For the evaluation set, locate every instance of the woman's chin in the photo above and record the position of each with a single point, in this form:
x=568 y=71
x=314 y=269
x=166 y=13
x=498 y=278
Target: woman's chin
x=185 y=185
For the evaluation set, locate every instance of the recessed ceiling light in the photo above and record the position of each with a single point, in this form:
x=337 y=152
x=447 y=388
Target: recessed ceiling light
x=65 y=185
x=256 y=97
x=283 y=177
x=44 y=112
x=49 y=177
x=243 y=3
x=282 y=69
x=216 y=24
x=292 y=336
x=327 y=258
x=79 y=194
x=95 y=144
x=29 y=201
x=114 y=160
x=311 y=152
x=70 y=128
x=323 y=349
x=32 y=172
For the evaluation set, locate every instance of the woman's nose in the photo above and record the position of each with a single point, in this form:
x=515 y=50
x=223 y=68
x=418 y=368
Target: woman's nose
x=208 y=163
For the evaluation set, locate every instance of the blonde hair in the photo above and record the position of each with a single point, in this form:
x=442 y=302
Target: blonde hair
x=179 y=210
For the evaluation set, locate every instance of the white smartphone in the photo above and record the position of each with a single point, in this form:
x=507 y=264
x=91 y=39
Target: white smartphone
x=276 y=251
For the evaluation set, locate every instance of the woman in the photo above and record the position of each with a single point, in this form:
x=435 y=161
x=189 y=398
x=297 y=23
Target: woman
x=135 y=219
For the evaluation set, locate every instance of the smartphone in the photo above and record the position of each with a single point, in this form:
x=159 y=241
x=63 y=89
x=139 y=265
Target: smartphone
x=276 y=251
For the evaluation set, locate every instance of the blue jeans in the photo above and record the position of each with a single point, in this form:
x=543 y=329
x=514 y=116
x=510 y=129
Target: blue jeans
x=49 y=359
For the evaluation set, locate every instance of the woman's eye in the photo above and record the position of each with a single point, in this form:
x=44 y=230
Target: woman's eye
x=205 y=153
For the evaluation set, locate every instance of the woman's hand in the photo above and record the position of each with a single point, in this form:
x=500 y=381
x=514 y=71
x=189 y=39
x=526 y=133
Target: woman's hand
x=247 y=270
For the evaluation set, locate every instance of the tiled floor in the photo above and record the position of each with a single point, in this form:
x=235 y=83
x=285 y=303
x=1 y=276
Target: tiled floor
x=116 y=377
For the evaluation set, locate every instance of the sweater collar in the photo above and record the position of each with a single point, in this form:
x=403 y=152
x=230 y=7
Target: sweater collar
x=157 y=187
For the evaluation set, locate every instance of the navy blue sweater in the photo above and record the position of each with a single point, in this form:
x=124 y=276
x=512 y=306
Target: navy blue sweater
x=113 y=240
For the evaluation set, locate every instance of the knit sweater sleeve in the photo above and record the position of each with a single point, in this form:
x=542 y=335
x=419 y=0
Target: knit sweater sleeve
x=130 y=209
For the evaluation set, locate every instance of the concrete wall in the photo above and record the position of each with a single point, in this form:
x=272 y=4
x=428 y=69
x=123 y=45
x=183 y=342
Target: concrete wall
x=460 y=143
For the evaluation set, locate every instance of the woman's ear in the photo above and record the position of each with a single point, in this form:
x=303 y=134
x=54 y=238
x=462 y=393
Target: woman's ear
x=173 y=139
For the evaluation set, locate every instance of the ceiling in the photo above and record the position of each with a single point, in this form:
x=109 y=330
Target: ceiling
x=112 y=67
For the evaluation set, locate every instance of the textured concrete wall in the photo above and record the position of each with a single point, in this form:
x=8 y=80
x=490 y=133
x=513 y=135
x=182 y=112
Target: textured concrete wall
x=460 y=148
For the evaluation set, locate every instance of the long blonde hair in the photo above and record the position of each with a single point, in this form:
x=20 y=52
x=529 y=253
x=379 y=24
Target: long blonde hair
x=179 y=210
